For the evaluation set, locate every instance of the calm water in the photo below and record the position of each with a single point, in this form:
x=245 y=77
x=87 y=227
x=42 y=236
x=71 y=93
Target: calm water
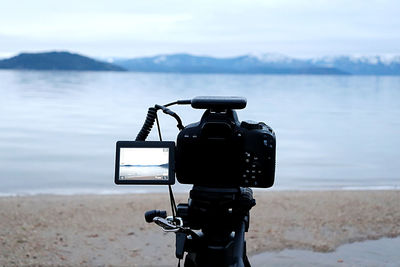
x=58 y=129
x=135 y=172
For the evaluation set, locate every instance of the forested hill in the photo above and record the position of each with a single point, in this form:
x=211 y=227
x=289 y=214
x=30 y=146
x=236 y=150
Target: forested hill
x=56 y=61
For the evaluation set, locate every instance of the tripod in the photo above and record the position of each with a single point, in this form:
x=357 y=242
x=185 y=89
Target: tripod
x=221 y=215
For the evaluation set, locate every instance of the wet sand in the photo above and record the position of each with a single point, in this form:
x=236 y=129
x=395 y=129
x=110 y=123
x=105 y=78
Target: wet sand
x=110 y=229
x=382 y=252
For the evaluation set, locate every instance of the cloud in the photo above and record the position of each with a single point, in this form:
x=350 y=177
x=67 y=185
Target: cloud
x=219 y=27
x=97 y=26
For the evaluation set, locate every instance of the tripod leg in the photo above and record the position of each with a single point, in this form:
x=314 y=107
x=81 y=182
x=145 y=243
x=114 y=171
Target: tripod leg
x=190 y=260
x=246 y=261
x=245 y=258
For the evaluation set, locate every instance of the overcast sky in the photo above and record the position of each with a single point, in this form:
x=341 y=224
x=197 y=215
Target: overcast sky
x=143 y=156
x=131 y=28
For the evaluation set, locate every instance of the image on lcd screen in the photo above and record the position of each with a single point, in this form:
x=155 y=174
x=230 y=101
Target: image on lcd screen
x=140 y=163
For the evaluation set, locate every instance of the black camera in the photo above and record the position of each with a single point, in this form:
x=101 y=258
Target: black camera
x=220 y=151
x=217 y=151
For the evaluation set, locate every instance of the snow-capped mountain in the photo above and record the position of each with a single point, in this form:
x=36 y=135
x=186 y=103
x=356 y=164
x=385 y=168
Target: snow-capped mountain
x=247 y=64
x=362 y=65
x=266 y=63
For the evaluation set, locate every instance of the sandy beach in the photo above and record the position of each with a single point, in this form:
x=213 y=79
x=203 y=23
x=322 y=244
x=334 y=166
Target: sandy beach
x=109 y=230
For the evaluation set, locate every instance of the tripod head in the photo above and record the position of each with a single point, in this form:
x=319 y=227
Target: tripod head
x=216 y=209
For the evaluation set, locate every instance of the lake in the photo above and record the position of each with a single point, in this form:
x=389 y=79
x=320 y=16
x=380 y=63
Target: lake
x=58 y=129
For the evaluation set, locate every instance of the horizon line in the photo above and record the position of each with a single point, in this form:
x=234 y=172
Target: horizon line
x=255 y=54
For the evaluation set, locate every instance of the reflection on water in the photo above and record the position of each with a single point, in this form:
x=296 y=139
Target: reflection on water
x=58 y=129
x=143 y=172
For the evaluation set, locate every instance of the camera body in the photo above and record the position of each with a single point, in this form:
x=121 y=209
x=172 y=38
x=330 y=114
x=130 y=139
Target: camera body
x=220 y=151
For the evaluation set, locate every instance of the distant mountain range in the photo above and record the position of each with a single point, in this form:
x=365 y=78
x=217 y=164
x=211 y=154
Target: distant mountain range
x=362 y=65
x=267 y=63
x=56 y=61
x=185 y=63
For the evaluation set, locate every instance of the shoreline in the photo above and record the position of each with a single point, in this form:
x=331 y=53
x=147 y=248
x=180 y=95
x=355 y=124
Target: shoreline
x=110 y=229
x=154 y=189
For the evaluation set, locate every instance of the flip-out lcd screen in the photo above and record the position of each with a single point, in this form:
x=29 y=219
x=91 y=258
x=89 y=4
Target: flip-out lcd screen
x=144 y=163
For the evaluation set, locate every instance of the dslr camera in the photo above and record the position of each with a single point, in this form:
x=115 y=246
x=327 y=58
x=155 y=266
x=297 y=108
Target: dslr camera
x=217 y=151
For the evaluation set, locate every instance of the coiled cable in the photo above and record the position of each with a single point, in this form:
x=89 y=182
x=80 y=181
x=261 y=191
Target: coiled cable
x=148 y=124
x=152 y=116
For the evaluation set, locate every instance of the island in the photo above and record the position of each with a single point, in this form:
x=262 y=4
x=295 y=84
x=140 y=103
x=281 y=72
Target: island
x=56 y=61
